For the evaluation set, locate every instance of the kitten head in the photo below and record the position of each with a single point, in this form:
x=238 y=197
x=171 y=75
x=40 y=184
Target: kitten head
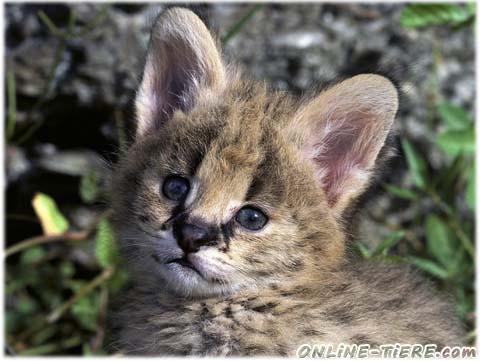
x=230 y=186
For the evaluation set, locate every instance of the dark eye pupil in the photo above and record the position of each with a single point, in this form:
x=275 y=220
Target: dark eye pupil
x=251 y=218
x=176 y=188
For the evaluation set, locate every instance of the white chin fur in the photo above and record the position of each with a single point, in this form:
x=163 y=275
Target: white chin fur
x=187 y=282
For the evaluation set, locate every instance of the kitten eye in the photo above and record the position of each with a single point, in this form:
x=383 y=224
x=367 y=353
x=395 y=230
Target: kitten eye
x=251 y=218
x=176 y=188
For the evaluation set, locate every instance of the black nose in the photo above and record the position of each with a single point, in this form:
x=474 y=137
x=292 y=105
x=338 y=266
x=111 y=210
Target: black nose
x=190 y=237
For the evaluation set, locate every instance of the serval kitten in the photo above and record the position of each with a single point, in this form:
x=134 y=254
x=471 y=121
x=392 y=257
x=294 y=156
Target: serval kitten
x=229 y=208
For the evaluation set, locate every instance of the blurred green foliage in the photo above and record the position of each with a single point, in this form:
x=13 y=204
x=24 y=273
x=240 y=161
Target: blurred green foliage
x=447 y=252
x=54 y=308
x=422 y=15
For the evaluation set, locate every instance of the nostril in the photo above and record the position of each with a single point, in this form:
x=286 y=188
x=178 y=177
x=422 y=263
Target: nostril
x=193 y=233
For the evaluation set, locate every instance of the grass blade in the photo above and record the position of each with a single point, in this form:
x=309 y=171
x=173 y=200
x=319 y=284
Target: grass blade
x=240 y=24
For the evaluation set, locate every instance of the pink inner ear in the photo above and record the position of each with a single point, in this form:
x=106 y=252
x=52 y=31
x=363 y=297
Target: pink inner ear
x=344 y=152
x=171 y=84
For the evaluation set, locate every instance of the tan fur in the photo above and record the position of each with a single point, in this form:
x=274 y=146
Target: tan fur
x=347 y=308
x=291 y=282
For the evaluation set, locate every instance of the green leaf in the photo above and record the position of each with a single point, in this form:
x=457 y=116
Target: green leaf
x=118 y=280
x=388 y=243
x=89 y=187
x=26 y=305
x=362 y=249
x=470 y=192
x=465 y=302
x=66 y=269
x=86 y=349
x=440 y=242
x=86 y=311
x=421 y=15
x=416 y=164
x=455 y=118
x=458 y=265
x=43 y=335
x=32 y=255
x=52 y=220
x=105 y=245
x=401 y=192
x=429 y=266
x=454 y=142
x=448 y=177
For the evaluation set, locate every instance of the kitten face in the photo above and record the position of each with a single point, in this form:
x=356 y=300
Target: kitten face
x=229 y=186
x=229 y=167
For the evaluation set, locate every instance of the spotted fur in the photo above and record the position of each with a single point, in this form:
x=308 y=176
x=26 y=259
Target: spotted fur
x=303 y=163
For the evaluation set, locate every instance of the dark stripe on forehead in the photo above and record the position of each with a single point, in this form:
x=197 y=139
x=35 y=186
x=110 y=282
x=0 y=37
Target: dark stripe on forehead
x=258 y=183
x=206 y=136
x=265 y=182
x=189 y=146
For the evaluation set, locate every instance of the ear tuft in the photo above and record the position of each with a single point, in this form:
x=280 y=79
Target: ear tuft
x=182 y=60
x=343 y=130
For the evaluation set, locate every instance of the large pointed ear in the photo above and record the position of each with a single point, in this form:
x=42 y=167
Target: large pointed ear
x=342 y=132
x=182 y=61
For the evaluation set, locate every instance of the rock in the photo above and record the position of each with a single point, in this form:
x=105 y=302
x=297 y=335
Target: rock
x=72 y=162
x=17 y=163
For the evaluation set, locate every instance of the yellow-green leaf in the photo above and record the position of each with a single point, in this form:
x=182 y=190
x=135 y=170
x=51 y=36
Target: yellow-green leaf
x=105 y=245
x=52 y=220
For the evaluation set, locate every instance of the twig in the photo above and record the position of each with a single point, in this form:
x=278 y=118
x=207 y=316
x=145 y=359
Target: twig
x=49 y=24
x=50 y=348
x=100 y=335
x=63 y=36
x=34 y=241
x=71 y=23
x=46 y=92
x=36 y=323
x=94 y=22
x=67 y=236
x=97 y=281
